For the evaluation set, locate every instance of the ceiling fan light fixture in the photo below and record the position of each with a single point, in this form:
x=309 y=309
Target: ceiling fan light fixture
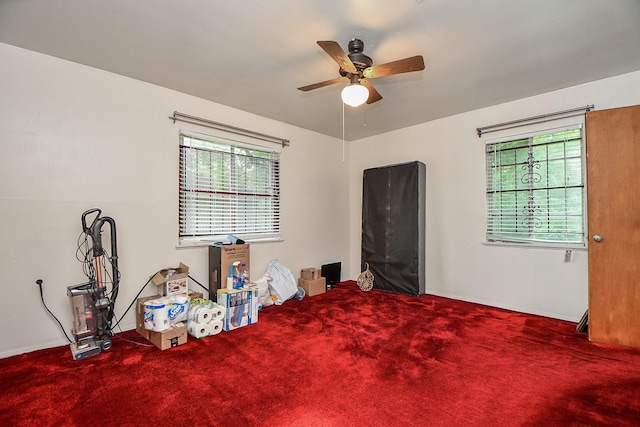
x=355 y=94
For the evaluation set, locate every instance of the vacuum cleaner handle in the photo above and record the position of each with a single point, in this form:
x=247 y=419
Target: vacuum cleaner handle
x=84 y=220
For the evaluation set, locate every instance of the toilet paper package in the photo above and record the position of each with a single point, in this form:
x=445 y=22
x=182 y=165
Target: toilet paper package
x=160 y=313
x=153 y=323
x=156 y=315
x=178 y=306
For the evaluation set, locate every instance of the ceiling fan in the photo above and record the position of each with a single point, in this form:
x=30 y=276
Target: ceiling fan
x=357 y=68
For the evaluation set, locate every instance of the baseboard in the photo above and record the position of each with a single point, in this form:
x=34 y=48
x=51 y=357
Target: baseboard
x=506 y=307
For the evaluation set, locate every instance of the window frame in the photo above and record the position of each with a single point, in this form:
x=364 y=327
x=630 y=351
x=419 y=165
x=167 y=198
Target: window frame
x=236 y=149
x=494 y=240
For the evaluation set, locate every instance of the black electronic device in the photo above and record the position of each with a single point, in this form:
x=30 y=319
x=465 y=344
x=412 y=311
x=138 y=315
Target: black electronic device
x=332 y=273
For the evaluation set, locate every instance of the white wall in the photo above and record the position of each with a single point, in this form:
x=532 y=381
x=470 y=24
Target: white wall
x=458 y=264
x=74 y=138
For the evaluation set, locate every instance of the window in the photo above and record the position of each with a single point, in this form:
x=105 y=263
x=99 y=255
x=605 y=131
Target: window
x=227 y=188
x=535 y=189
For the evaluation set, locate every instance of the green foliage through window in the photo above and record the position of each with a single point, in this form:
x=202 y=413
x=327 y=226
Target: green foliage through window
x=535 y=189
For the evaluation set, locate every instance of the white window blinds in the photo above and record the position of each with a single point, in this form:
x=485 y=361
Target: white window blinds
x=227 y=188
x=535 y=189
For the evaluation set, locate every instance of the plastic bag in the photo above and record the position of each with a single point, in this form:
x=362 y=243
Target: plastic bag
x=264 y=295
x=282 y=285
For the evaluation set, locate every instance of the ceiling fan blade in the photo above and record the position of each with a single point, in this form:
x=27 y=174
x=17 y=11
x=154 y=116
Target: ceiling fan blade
x=407 y=65
x=335 y=51
x=374 y=95
x=323 y=84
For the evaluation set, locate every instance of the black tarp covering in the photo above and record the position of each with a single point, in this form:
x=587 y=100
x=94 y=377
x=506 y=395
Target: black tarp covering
x=393 y=227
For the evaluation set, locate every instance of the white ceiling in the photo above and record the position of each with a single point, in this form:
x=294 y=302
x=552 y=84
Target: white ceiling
x=253 y=54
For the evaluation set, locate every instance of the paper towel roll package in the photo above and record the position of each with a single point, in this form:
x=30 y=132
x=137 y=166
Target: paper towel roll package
x=195 y=314
x=204 y=318
x=218 y=312
x=197 y=330
x=201 y=314
x=205 y=311
x=216 y=327
x=201 y=330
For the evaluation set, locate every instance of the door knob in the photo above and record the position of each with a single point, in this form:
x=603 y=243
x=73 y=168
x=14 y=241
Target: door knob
x=597 y=238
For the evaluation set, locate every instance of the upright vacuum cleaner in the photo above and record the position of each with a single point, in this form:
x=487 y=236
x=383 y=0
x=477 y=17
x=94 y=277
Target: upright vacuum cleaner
x=93 y=302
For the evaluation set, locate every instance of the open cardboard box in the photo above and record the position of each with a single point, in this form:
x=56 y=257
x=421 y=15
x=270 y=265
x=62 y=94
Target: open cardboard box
x=177 y=284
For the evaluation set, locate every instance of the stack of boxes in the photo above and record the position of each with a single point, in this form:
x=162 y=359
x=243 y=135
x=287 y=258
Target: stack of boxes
x=240 y=305
x=169 y=282
x=312 y=282
x=221 y=259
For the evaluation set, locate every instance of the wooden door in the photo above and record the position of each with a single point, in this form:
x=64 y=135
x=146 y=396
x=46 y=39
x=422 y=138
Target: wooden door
x=613 y=199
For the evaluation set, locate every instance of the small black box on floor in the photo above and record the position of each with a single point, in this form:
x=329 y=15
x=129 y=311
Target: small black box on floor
x=332 y=273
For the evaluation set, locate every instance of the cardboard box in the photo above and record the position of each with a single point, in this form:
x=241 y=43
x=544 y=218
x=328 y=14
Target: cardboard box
x=140 y=316
x=241 y=307
x=194 y=295
x=220 y=260
x=313 y=287
x=310 y=273
x=177 y=284
x=172 y=337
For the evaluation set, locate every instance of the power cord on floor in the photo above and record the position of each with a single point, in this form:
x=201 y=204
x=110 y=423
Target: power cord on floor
x=201 y=285
x=133 y=302
x=139 y=343
x=39 y=282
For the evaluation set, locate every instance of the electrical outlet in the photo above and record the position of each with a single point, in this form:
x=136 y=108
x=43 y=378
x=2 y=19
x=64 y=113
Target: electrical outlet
x=568 y=255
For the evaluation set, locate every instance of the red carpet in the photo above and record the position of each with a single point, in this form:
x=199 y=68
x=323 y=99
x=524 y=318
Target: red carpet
x=345 y=358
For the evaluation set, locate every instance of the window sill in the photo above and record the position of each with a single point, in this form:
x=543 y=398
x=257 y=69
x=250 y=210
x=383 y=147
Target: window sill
x=559 y=246
x=205 y=243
